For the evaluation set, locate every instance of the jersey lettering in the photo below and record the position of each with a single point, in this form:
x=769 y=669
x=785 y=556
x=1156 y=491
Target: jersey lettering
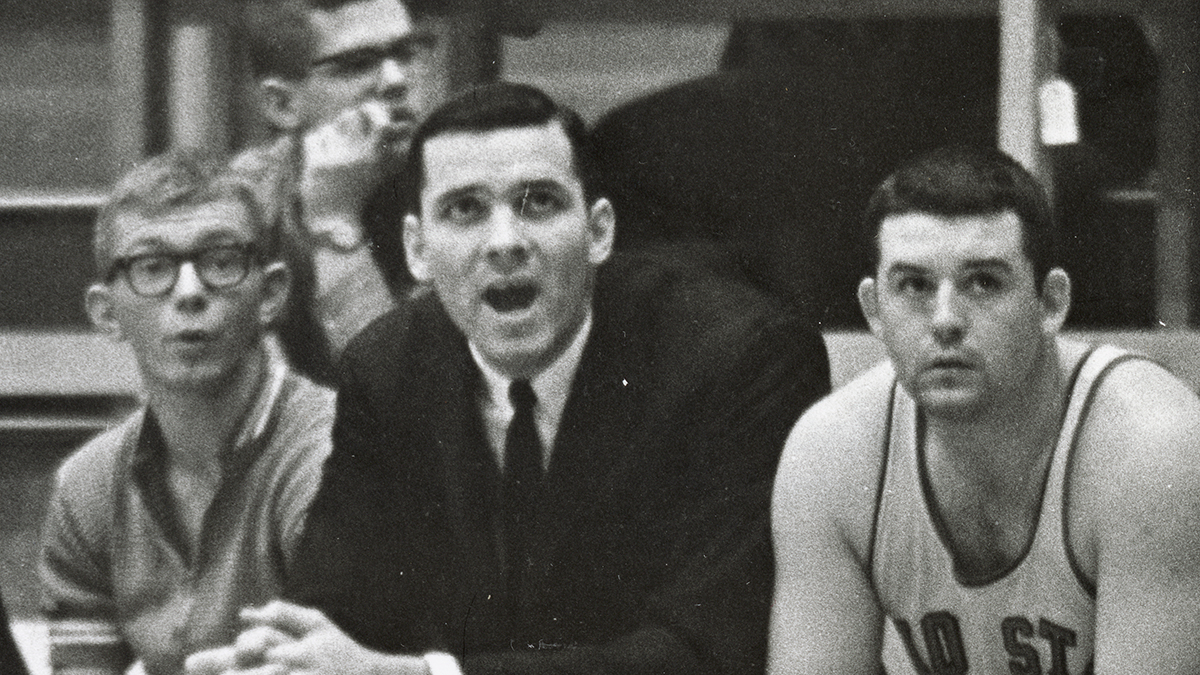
x=1060 y=638
x=1017 y=631
x=943 y=641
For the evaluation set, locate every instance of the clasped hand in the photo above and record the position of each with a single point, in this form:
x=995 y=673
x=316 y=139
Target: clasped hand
x=281 y=638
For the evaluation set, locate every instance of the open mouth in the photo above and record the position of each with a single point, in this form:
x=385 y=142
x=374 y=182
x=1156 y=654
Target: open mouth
x=510 y=298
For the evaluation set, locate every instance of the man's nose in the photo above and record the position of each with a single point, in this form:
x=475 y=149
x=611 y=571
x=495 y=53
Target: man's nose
x=189 y=291
x=507 y=249
x=393 y=76
x=948 y=320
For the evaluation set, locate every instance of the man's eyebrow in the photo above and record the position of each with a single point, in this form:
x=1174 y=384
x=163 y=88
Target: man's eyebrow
x=221 y=237
x=973 y=265
x=425 y=37
x=141 y=244
x=541 y=184
x=458 y=192
x=218 y=236
x=905 y=268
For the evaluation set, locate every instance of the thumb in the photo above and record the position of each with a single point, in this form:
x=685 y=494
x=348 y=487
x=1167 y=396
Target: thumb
x=286 y=617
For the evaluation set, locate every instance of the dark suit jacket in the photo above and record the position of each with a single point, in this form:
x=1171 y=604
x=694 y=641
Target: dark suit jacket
x=652 y=550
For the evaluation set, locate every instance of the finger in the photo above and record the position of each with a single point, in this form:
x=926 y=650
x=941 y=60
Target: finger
x=261 y=615
x=348 y=139
x=291 y=655
x=376 y=114
x=292 y=619
x=352 y=124
x=211 y=661
x=252 y=645
x=266 y=669
x=318 y=141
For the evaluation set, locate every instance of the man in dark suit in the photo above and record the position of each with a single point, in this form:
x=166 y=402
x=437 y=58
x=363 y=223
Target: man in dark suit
x=609 y=517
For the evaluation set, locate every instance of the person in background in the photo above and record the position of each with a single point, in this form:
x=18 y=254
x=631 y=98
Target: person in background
x=343 y=84
x=160 y=529
x=556 y=459
x=760 y=167
x=1009 y=500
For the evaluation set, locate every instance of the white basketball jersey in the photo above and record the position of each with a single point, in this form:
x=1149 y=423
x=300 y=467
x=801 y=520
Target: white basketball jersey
x=1037 y=616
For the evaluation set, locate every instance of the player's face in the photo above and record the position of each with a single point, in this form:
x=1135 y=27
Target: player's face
x=369 y=51
x=191 y=337
x=508 y=241
x=955 y=303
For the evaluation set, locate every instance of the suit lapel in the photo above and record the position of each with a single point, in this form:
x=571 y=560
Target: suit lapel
x=465 y=466
x=595 y=453
x=598 y=429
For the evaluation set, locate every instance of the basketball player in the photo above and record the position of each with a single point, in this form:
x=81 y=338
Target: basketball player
x=1011 y=501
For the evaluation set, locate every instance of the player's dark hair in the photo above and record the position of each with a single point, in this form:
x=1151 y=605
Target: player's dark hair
x=962 y=181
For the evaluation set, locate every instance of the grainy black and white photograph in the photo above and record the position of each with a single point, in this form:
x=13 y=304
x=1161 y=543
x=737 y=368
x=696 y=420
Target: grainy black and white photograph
x=599 y=337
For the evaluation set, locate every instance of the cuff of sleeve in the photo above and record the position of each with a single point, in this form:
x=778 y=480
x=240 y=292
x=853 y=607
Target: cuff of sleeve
x=441 y=663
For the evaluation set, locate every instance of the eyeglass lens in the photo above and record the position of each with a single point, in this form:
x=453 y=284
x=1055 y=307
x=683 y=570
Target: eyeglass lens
x=218 y=268
x=411 y=50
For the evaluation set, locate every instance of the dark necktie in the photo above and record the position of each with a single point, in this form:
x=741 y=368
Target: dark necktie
x=522 y=482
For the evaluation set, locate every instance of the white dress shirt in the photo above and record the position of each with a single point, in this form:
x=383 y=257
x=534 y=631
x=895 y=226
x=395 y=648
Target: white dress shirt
x=552 y=387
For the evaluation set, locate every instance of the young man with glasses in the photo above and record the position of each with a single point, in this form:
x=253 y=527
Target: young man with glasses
x=343 y=83
x=160 y=529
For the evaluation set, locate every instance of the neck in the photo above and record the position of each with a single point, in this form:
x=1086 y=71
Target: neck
x=529 y=366
x=198 y=424
x=1013 y=436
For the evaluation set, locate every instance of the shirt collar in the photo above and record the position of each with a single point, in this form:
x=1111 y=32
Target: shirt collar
x=552 y=386
x=253 y=428
x=149 y=465
x=259 y=417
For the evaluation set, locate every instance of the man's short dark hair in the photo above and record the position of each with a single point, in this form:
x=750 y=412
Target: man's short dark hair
x=501 y=105
x=278 y=38
x=177 y=179
x=964 y=181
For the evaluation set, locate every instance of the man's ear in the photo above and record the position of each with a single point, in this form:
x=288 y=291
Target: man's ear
x=277 y=286
x=868 y=301
x=1056 y=300
x=102 y=310
x=602 y=228
x=414 y=249
x=280 y=102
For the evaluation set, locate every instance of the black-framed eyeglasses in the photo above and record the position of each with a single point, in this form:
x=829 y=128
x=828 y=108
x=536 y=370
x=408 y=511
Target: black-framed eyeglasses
x=152 y=275
x=414 y=49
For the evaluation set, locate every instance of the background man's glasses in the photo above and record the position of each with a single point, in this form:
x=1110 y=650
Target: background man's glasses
x=152 y=275
x=411 y=50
